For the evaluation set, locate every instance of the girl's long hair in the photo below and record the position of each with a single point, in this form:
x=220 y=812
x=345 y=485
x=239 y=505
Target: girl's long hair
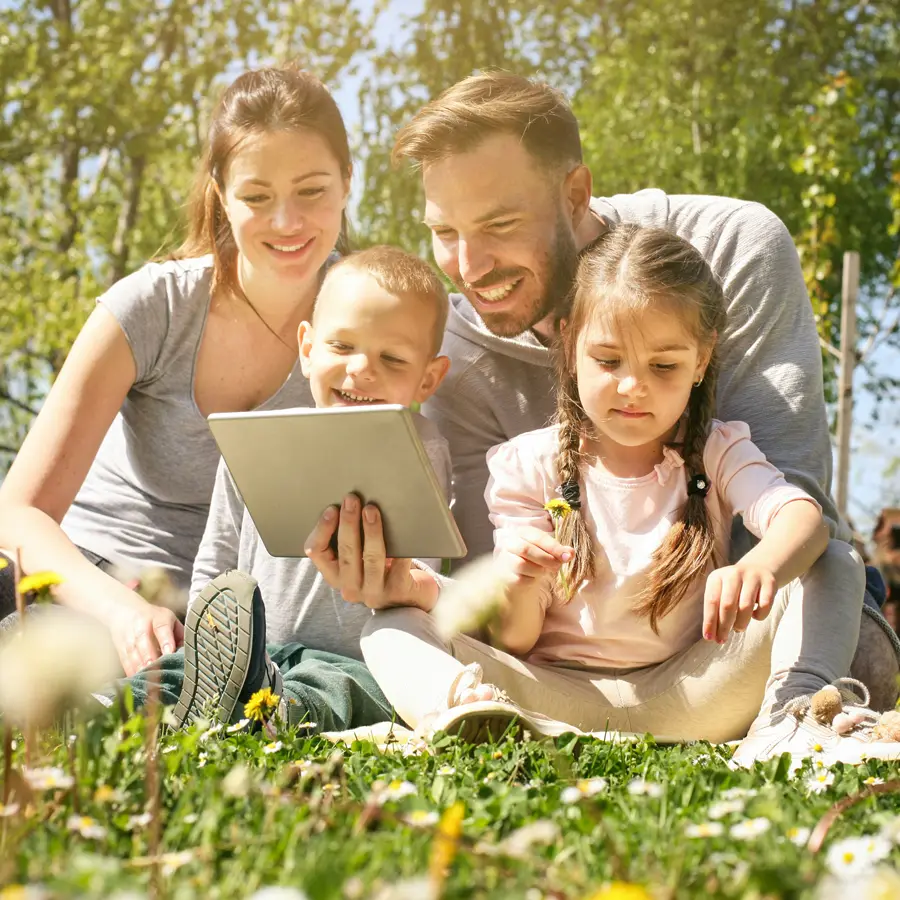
x=625 y=273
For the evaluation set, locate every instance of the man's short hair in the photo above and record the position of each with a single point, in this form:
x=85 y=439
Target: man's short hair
x=493 y=102
x=399 y=272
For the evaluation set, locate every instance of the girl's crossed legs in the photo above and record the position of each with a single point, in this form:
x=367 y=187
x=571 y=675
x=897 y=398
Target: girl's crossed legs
x=708 y=691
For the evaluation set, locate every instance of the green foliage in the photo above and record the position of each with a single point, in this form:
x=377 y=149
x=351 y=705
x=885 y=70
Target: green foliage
x=237 y=814
x=104 y=107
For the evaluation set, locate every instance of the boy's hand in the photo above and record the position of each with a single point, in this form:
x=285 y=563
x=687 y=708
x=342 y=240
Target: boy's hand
x=734 y=595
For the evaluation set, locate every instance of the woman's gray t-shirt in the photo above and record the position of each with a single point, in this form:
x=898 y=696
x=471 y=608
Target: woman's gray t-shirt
x=146 y=498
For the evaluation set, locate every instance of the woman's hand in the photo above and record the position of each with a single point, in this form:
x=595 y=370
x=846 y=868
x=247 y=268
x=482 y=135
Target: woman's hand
x=360 y=569
x=142 y=633
x=734 y=595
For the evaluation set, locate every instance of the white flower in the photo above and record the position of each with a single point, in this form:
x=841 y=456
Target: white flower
x=48 y=779
x=519 y=843
x=472 y=599
x=215 y=729
x=173 y=861
x=446 y=770
x=238 y=726
x=86 y=827
x=855 y=855
x=725 y=808
x=190 y=818
x=640 y=788
x=820 y=781
x=170 y=749
x=274 y=747
x=384 y=793
x=8 y=809
x=879 y=883
x=421 y=818
x=798 y=836
x=704 y=830
x=750 y=828
x=584 y=787
x=873 y=780
x=738 y=793
x=202 y=760
x=140 y=821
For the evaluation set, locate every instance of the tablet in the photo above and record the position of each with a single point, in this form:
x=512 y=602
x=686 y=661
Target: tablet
x=289 y=465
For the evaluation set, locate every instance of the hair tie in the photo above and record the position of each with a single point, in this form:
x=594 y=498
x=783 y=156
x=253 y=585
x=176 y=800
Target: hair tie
x=699 y=485
x=571 y=493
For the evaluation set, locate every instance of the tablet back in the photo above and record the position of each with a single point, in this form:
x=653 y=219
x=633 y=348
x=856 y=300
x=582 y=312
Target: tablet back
x=289 y=465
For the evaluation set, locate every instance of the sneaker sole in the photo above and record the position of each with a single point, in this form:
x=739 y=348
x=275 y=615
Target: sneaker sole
x=219 y=630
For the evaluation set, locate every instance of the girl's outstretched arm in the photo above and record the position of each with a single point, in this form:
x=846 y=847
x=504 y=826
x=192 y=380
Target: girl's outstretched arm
x=796 y=537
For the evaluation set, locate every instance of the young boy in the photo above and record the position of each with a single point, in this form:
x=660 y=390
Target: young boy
x=374 y=338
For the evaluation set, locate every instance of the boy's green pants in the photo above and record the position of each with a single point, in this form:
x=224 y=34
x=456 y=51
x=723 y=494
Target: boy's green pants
x=334 y=692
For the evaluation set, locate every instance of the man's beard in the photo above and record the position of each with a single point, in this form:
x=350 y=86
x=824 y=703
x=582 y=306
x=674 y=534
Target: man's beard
x=562 y=262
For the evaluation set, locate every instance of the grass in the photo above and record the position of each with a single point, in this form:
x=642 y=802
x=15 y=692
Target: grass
x=238 y=813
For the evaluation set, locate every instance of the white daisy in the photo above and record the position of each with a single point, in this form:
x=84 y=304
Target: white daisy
x=238 y=726
x=174 y=861
x=851 y=856
x=798 y=836
x=819 y=781
x=8 y=809
x=48 y=779
x=421 y=818
x=86 y=827
x=738 y=793
x=873 y=780
x=138 y=822
x=725 y=808
x=704 y=829
x=640 y=788
x=394 y=791
x=570 y=795
x=446 y=770
x=190 y=818
x=274 y=747
x=891 y=830
x=750 y=828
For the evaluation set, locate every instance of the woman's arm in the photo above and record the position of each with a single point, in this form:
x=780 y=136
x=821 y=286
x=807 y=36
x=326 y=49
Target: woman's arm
x=47 y=474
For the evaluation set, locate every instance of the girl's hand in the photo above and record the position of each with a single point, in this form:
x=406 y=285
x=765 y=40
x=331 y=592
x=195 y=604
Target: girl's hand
x=142 y=633
x=529 y=555
x=734 y=595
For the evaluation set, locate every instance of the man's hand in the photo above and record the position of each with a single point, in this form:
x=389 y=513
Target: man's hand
x=142 y=633
x=734 y=595
x=360 y=569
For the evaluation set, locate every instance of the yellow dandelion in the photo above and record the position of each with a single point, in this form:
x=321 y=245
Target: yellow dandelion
x=262 y=705
x=39 y=582
x=621 y=890
x=558 y=508
x=446 y=843
x=3 y=563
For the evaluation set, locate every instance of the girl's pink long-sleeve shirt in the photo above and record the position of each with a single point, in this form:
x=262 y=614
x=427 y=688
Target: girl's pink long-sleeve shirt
x=628 y=519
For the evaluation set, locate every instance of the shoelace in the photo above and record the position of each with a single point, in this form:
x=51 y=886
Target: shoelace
x=854 y=704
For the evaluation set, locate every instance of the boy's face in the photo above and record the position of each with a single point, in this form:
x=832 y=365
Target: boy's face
x=369 y=346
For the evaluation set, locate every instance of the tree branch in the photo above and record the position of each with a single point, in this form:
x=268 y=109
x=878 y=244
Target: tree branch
x=127 y=217
x=18 y=403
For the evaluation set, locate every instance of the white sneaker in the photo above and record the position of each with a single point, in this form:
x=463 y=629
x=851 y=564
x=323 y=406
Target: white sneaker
x=481 y=721
x=856 y=734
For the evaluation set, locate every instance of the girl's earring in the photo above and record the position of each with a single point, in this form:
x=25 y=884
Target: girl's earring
x=698 y=382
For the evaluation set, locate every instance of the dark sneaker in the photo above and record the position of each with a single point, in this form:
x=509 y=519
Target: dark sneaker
x=225 y=659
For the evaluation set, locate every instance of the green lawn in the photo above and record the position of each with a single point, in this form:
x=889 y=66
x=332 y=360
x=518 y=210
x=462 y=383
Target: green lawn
x=539 y=820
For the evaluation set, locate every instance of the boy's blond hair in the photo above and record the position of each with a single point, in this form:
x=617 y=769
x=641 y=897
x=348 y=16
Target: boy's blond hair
x=401 y=273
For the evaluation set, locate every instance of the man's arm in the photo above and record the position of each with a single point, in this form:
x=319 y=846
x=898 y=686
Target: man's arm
x=770 y=361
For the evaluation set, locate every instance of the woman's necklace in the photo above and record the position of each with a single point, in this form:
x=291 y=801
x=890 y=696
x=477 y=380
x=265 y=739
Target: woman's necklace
x=269 y=328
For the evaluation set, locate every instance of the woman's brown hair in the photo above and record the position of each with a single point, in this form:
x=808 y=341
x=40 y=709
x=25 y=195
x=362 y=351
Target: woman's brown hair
x=257 y=102
x=626 y=272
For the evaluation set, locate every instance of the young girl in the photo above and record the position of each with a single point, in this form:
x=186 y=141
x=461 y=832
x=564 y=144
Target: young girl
x=118 y=469
x=611 y=528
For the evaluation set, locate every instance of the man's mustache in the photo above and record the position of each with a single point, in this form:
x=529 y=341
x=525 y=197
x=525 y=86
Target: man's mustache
x=492 y=279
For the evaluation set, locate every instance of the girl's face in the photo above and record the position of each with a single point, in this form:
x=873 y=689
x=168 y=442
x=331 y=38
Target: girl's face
x=635 y=387
x=284 y=194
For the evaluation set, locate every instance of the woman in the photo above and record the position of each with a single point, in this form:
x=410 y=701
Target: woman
x=117 y=471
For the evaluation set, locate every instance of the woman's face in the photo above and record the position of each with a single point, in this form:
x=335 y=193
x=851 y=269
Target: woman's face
x=284 y=194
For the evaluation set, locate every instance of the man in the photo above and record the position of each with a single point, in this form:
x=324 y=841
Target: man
x=508 y=201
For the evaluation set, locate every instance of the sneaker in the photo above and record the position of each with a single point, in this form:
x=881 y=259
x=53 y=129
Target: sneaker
x=225 y=659
x=855 y=735
x=483 y=721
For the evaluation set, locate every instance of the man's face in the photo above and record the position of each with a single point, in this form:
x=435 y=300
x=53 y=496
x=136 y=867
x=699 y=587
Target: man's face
x=500 y=232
